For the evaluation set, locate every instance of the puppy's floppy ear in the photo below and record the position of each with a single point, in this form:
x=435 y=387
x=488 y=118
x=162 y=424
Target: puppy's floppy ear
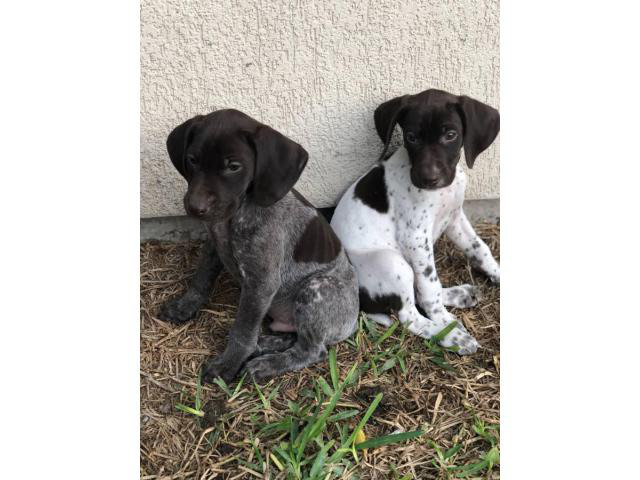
x=481 y=126
x=386 y=116
x=178 y=140
x=279 y=164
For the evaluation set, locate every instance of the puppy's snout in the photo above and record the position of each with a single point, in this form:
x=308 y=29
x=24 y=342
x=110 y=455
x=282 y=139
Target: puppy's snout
x=430 y=179
x=199 y=205
x=199 y=210
x=426 y=177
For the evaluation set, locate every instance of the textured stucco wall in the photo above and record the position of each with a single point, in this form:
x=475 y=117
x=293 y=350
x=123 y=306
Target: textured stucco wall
x=315 y=71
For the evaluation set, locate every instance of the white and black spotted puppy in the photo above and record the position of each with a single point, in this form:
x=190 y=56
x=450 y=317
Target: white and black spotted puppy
x=287 y=259
x=390 y=219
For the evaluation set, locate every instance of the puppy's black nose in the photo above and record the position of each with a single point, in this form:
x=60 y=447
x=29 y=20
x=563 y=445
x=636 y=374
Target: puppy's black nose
x=199 y=206
x=426 y=181
x=199 y=211
x=430 y=181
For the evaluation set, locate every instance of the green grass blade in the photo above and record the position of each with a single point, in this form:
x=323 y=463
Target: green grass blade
x=294 y=407
x=492 y=457
x=442 y=363
x=338 y=454
x=372 y=331
x=389 y=439
x=362 y=423
x=310 y=420
x=190 y=410
x=273 y=394
x=403 y=367
x=256 y=450
x=239 y=386
x=321 y=457
x=333 y=368
x=342 y=415
x=271 y=428
x=342 y=432
x=433 y=347
x=313 y=430
x=326 y=389
x=265 y=402
x=387 y=333
x=452 y=451
x=319 y=424
x=198 y=402
x=283 y=454
x=293 y=431
x=438 y=451
x=223 y=385
x=471 y=469
x=388 y=365
x=438 y=337
x=252 y=466
x=351 y=377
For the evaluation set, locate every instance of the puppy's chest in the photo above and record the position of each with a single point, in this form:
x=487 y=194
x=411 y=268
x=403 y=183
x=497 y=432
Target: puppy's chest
x=221 y=235
x=421 y=214
x=242 y=246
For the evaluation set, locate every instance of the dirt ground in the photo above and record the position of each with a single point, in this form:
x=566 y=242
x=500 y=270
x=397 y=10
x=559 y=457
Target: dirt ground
x=454 y=400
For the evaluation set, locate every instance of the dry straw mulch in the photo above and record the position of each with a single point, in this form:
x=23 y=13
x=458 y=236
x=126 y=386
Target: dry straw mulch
x=444 y=403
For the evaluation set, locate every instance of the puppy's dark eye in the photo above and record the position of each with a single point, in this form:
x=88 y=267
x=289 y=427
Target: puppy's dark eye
x=192 y=160
x=233 y=167
x=411 y=137
x=450 y=135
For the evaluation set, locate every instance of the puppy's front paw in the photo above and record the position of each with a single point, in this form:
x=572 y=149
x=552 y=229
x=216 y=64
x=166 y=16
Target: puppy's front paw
x=180 y=309
x=459 y=337
x=218 y=366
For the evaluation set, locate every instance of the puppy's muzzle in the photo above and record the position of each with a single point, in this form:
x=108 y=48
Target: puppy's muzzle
x=428 y=176
x=199 y=205
x=426 y=181
x=429 y=182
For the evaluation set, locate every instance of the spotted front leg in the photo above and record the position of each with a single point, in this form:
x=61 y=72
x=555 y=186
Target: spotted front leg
x=430 y=296
x=429 y=293
x=462 y=234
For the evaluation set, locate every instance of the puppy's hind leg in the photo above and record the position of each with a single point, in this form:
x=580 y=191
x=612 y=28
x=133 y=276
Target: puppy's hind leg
x=379 y=276
x=273 y=344
x=388 y=281
x=381 y=318
x=462 y=296
x=270 y=365
x=325 y=312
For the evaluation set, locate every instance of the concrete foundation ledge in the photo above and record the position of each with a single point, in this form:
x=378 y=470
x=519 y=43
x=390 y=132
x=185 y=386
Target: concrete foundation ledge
x=184 y=229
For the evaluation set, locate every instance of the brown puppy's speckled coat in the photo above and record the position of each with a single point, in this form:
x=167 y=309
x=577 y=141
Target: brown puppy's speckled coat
x=288 y=261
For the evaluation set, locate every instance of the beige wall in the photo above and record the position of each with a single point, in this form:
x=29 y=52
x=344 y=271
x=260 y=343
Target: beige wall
x=313 y=70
